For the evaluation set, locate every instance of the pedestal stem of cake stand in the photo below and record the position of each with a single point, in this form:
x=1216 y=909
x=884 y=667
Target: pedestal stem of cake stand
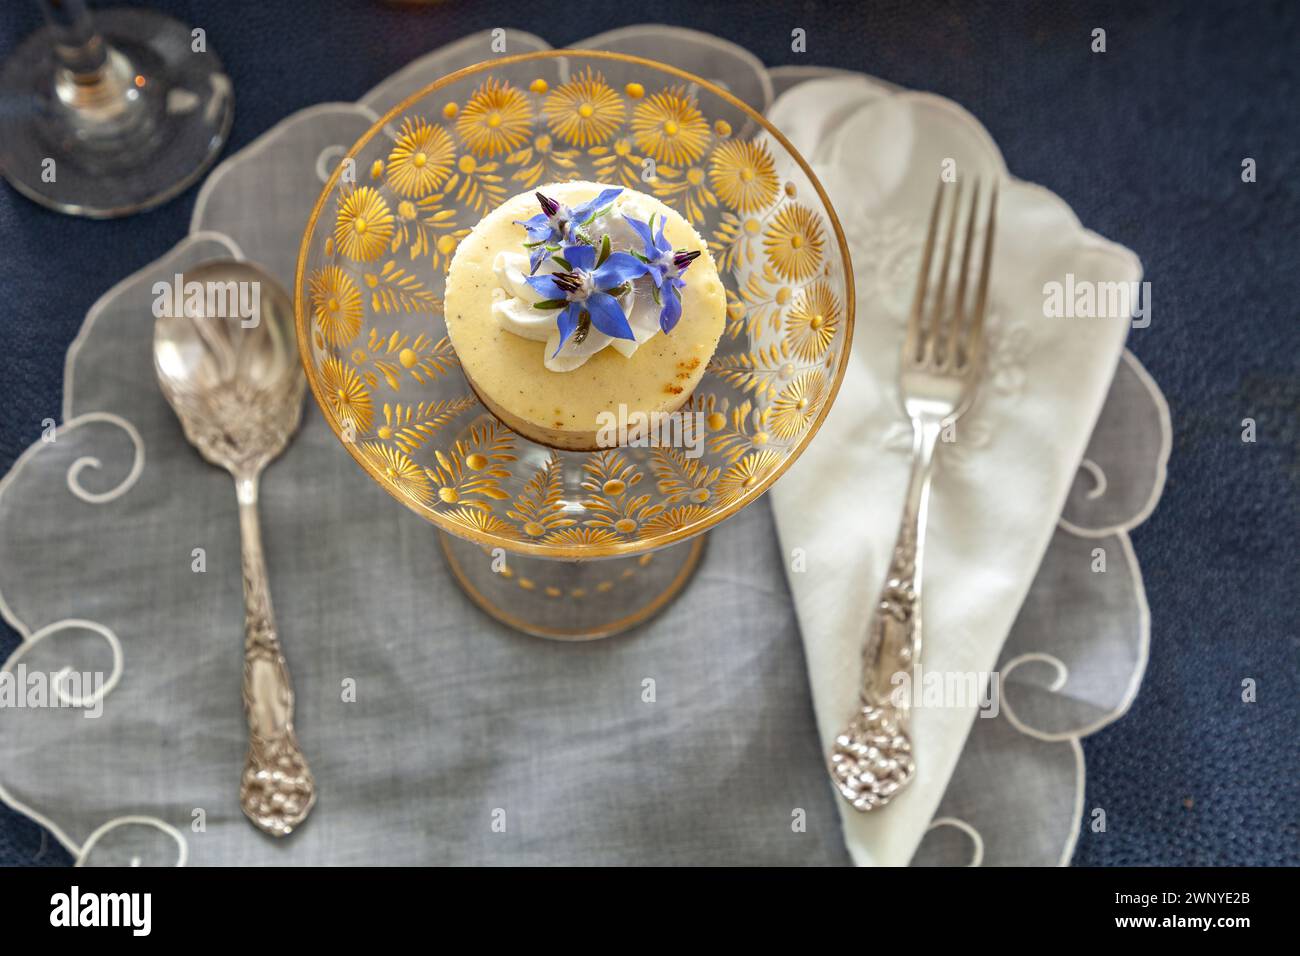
x=571 y=600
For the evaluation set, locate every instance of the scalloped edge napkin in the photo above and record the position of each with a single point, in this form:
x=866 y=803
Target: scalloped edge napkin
x=877 y=152
x=849 y=477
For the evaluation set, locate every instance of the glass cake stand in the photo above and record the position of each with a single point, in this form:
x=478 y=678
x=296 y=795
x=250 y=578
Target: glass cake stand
x=569 y=545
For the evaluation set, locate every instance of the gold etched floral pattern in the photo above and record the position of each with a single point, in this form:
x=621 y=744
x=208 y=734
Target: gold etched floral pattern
x=421 y=158
x=539 y=507
x=585 y=111
x=481 y=521
x=617 y=163
x=396 y=289
x=758 y=373
x=496 y=119
x=615 y=502
x=735 y=430
x=798 y=404
x=411 y=427
x=675 y=519
x=427 y=227
x=477 y=184
x=745 y=475
x=399 y=472
x=679 y=478
x=364 y=224
x=398 y=356
x=811 y=324
x=794 y=241
x=474 y=468
x=686 y=189
x=388 y=378
x=346 y=395
x=336 y=305
x=543 y=160
x=670 y=127
x=743 y=175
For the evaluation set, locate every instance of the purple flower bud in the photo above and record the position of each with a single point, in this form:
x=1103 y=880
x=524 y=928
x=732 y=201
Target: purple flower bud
x=549 y=206
x=682 y=258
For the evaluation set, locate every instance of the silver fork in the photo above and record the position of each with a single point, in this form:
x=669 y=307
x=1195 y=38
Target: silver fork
x=871 y=760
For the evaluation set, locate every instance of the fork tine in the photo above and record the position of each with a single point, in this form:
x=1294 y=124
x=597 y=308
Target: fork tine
x=913 y=344
x=975 y=339
x=956 y=355
x=934 y=352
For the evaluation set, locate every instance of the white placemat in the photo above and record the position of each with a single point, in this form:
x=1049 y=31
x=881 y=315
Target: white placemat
x=467 y=742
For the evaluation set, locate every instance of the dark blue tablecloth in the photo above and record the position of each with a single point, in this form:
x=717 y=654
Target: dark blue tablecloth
x=1145 y=141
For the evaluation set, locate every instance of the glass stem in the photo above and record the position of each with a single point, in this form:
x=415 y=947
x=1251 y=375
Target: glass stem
x=78 y=47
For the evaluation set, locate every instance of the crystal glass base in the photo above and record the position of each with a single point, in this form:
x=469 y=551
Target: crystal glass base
x=132 y=136
x=571 y=600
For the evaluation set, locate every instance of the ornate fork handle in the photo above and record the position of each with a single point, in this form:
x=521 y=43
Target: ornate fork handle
x=277 y=789
x=871 y=759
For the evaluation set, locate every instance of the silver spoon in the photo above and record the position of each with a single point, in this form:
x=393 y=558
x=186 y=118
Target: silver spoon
x=227 y=364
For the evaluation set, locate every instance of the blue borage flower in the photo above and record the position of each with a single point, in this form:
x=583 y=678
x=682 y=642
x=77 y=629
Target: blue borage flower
x=587 y=291
x=665 y=267
x=557 y=224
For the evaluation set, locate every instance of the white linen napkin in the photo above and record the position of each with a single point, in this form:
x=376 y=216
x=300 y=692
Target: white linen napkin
x=999 y=488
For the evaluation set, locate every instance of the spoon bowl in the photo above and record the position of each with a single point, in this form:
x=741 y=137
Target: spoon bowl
x=227 y=362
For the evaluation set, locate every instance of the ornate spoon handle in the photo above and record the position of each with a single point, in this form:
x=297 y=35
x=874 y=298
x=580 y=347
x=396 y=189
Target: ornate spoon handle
x=277 y=790
x=871 y=759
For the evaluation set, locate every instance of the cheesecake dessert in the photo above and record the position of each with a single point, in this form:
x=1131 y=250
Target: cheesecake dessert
x=577 y=302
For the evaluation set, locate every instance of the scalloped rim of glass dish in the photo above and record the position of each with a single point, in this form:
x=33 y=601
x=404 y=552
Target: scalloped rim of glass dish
x=511 y=545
